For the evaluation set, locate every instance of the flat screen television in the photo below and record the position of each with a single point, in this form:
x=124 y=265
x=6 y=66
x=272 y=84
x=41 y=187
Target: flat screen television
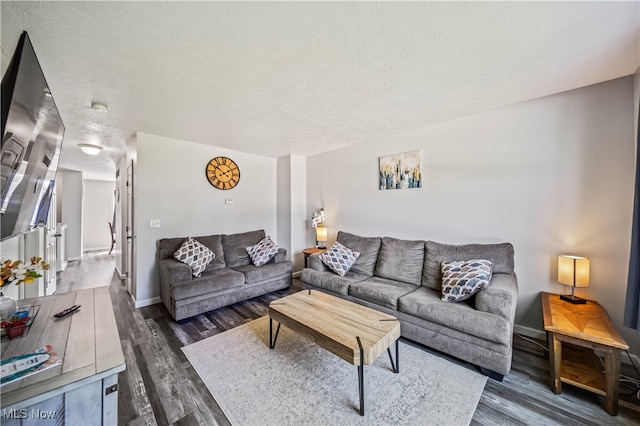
x=32 y=133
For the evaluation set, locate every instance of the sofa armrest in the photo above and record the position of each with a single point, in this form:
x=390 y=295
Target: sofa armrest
x=315 y=262
x=501 y=297
x=281 y=255
x=173 y=271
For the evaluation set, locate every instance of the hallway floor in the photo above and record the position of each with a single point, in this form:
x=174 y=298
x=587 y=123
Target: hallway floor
x=96 y=269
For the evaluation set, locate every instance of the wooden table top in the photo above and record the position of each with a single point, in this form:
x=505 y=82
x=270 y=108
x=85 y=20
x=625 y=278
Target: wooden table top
x=312 y=250
x=334 y=324
x=87 y=341
x=588 y=321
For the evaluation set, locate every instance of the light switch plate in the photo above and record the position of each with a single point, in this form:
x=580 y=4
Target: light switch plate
x=155 y=223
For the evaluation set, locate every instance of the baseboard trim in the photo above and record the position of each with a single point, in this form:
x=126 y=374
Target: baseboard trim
x=89 y=250
x=530 y=332
x=120 y=274
x=74 y=258
x=147 y=302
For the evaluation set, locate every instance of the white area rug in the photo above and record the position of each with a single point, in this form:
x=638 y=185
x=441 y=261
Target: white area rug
x=299 y=383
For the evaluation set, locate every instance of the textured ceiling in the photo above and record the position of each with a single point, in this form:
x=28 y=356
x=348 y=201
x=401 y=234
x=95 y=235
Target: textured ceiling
x=302 y=78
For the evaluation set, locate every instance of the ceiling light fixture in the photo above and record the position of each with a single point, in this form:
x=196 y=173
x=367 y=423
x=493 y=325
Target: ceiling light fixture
x=90 y=149
x=99 y=107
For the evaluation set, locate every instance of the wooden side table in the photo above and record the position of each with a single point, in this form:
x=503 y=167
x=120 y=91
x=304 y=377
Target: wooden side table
x=309 y=251
x=583 y=326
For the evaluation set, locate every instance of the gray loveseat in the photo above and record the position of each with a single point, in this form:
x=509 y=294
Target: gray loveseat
x=403 y=278
x=229 y=278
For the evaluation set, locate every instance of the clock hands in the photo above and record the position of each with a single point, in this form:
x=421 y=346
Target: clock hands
x=223 y=173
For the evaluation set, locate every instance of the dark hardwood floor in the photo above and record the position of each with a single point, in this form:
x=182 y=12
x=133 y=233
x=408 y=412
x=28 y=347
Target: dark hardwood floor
x=160 y=387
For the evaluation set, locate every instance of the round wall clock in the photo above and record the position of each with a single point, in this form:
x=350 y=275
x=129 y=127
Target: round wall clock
x=223 y=173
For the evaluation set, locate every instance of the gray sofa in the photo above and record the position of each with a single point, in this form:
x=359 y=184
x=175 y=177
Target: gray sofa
x=403 y=278
x=229 y=278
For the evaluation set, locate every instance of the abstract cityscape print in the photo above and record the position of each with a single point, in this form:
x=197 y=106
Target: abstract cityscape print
x=400 y=171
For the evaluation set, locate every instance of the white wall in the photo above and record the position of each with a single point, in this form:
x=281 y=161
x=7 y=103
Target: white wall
x=70 y=194
x=97 y=214
x=292 y=207
x=170 y=185
x=551 y=176
x=283 y=203
x=300 y=220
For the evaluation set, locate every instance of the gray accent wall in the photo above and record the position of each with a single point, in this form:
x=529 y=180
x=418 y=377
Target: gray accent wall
x=551 y=176
x=170 y=185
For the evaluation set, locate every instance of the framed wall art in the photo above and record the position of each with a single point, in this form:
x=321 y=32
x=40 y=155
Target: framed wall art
x=400 y=171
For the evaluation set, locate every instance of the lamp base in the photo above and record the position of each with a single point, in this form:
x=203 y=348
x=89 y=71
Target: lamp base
x=573 y=299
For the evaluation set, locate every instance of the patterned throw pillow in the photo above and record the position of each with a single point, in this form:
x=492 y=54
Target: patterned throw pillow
x=194 y=254
x=463 y=278
x=262 y=252
x=339 y=258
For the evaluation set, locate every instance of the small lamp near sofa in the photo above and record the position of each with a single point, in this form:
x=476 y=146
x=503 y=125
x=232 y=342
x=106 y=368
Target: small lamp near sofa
x=321 y=237
x=573 y=271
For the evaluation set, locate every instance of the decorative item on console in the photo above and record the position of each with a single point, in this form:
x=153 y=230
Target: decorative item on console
x=317 y=222
x=318 y=218
x=17 y=272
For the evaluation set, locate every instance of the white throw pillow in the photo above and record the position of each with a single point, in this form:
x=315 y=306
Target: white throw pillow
x=462 y=279
x=262 y=252
x=194 y=254
x=339 y=258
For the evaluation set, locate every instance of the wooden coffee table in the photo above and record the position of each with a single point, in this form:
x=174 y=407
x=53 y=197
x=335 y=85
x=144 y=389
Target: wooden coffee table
x=585 y=326
x=355 y=333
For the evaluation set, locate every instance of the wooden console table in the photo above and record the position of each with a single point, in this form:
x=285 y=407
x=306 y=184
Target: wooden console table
x=585 y=326
x=84 y=388
x=309 y=251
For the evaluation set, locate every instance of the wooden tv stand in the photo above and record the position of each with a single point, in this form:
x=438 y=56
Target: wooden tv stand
x=84 y=389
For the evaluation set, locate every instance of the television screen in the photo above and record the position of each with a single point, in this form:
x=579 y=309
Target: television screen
x=32 y=132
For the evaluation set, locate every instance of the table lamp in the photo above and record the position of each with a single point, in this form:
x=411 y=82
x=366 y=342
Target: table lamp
x=573 y=271
x=321 y=237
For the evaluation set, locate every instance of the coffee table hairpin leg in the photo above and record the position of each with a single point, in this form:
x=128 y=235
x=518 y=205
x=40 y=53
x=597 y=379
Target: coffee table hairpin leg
x=272 y=341
x=361 y=377
x=395 y=367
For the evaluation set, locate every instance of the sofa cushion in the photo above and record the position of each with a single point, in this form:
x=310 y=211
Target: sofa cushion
x=462 y=279
x=168 y=246
x=425 y=303
x=329 y=281
x=194 y=254
x=339 y=258
x=401 y=260
x=235 y=247
x=368 y=247
x=209 y=283
x=501 y=255
x=381 y=291
x=262 y=252
x=255 y=274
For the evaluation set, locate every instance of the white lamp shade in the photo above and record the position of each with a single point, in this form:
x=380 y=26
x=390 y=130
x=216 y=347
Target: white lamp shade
x=90 y=149
x=321 y=233
x=573 y=271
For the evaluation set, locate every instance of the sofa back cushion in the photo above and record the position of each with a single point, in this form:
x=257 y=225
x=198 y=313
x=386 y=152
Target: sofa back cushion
x=401 y=260
x=168 y=246
x=501 y=255
x=235 y=247
x=368 y=247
